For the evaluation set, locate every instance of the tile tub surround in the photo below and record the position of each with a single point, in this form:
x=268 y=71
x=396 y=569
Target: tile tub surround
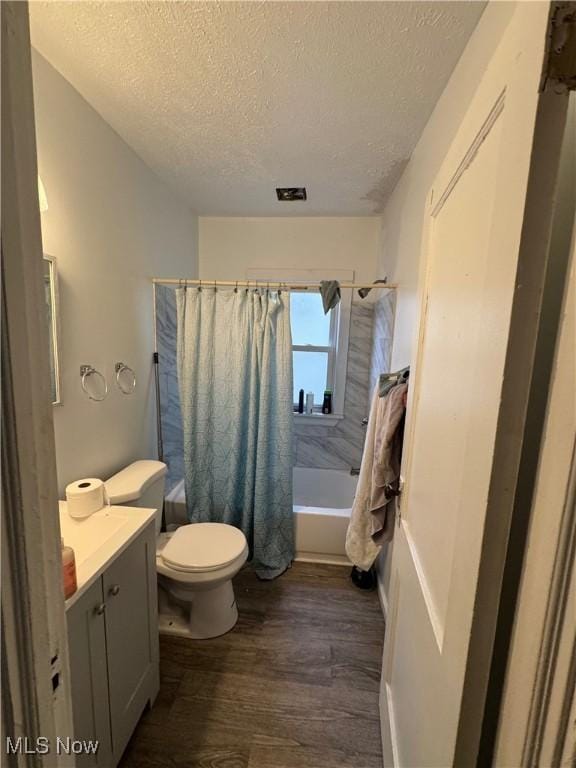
x=294 y=685
x=172 y=433
x=382 y=336
x=340 y=446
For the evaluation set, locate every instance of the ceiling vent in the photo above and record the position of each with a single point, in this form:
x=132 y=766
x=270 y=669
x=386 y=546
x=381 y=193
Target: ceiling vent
x=288 y=194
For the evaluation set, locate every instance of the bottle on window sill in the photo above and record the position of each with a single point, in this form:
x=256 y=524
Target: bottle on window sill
x=327 y=404
x=301 y=401
x=310 y=403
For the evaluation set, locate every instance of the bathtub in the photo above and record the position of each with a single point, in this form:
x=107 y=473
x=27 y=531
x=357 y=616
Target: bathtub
x=322 y=504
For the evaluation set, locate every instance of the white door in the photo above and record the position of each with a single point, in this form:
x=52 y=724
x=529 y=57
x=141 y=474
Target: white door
x=471 y=249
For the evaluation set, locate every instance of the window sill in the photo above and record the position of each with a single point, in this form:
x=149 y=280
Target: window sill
x=321 y=419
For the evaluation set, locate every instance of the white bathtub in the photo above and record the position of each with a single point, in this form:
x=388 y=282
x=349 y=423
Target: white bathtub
x=322 y=504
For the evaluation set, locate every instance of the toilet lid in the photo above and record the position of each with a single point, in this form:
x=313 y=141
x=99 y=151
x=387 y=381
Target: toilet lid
x=203 y=547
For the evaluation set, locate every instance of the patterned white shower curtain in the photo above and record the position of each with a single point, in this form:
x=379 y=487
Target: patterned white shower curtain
x=235 y=379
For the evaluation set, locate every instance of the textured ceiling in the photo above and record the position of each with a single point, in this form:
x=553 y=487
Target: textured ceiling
x=227 y=100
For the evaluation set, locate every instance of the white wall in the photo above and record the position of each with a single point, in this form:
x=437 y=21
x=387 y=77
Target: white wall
x=112 y=224
x=403 y=216
x=230 y=246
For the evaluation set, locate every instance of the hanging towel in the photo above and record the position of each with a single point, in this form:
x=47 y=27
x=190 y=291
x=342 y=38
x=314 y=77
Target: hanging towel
x=387 y=458
x=330 y=292
x=372 y=520
x=385 y=383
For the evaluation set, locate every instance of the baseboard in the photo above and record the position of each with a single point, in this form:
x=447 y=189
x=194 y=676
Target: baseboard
x=382 y=596
x=390 y=756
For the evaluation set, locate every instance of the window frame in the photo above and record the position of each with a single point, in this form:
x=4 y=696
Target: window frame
x=330 y=350
x=340 y=332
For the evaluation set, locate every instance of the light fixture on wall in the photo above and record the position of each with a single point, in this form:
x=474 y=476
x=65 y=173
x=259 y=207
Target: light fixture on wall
x=42 y=198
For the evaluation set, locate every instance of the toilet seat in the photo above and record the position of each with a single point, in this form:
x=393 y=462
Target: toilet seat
x=203 y=547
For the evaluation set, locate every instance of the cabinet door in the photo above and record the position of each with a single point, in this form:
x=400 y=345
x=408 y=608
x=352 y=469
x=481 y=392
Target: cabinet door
x=131 y=636
x=88 y=672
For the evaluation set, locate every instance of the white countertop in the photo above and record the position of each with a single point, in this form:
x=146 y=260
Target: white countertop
x=97 y=540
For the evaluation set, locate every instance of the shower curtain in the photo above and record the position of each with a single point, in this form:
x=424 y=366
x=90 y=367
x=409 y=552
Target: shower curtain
x=234 y=353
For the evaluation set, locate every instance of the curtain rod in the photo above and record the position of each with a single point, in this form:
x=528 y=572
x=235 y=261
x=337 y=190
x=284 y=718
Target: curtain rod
x=266 y=283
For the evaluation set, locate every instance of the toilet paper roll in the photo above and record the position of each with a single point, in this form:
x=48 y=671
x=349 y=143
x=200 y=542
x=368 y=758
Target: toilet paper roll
x=85 y=497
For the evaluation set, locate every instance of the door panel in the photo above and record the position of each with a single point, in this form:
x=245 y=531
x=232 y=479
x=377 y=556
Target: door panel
x=413 y=681
x=471 y=246
x=89 y=675
x=128 y=637
x=457 y=402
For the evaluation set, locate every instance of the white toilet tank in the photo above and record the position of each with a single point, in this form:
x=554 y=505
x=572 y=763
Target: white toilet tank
x=140 y=484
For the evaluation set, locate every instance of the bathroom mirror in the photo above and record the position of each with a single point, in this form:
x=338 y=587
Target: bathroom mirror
x=51 y=298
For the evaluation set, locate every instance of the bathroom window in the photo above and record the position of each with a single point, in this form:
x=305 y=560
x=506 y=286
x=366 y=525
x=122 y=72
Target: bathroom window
x=319 y=341
x=314 y=341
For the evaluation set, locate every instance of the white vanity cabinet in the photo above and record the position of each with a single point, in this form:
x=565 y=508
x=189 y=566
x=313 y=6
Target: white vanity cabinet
x=113 y=639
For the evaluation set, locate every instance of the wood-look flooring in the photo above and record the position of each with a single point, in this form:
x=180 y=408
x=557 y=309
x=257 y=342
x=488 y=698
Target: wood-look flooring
x=294 y=685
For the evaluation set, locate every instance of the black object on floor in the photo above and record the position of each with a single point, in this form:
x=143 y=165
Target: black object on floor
x=363 y=579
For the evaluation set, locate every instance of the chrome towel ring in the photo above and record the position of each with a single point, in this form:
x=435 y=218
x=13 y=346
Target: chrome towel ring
x=99 y=391
x=125 y=378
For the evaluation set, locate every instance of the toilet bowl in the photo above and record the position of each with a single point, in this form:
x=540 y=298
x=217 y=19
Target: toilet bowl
x=195 y=563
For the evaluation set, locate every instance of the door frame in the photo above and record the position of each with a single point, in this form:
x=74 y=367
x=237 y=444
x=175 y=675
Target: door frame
x=542 y=543
x=527 y=373
x=530 y=349
x=540 y=693
x=36 y=700
x=541 y=280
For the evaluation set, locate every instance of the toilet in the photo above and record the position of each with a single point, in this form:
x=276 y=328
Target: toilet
x=195 y=564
